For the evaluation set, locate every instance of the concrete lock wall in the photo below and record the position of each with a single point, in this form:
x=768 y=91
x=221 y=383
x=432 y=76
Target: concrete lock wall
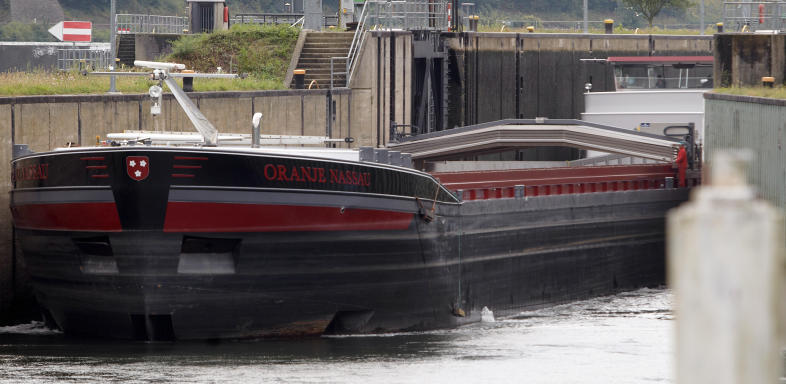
x=514 y=75
x=742 y=59
x=753 y=123
x=48 y=122
x=381 y=85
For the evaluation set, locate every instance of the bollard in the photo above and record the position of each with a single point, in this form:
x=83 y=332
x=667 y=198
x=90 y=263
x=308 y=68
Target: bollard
x=300 y=78
x=530 y=29
x=719 y=26
x=767 y=81
x=256 y=122
x=188 y=82
x=609 y=24
x=473 y=23
x=725 y=262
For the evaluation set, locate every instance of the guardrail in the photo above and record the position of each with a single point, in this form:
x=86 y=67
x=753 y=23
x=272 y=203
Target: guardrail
x=407 y=14
x=279 y=18
x=152 y=24
x=744 y=16
x=71 y=58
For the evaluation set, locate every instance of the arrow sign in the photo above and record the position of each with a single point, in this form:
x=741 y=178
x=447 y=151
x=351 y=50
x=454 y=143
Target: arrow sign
x=72 y=31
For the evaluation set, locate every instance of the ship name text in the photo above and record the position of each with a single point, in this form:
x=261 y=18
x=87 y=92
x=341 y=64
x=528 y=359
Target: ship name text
x=31 y=172
x=278 y=172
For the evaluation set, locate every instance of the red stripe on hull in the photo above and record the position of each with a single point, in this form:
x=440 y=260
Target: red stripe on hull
x=68 y=217
x=228 y=217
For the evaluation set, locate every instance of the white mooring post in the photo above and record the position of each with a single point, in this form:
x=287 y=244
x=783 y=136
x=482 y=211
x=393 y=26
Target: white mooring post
x=726 y=266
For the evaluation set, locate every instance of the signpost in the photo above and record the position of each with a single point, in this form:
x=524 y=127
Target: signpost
x=81 y=31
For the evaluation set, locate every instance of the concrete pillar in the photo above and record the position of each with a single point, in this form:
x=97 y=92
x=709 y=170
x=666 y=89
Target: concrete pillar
x=726 y=266
x=312 y=11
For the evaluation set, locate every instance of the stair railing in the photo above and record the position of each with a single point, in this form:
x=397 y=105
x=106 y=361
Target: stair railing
x=351 y=58
x=357 y=41
x=299 y=22
x=405 y=14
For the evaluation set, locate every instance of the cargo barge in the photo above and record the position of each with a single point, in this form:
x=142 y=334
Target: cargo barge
x=167 y=242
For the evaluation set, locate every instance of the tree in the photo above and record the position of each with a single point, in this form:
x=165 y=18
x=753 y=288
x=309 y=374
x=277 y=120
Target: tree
x=651 y=8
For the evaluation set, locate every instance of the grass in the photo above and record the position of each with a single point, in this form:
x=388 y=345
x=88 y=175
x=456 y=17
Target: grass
x=777 y=92
x=262 y=52
x=73 y=83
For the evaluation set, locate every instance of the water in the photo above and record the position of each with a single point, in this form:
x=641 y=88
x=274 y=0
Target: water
x=622 y=338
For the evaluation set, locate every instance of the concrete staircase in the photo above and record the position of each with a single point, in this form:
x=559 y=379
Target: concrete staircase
x=318 y=48
x=126 y=49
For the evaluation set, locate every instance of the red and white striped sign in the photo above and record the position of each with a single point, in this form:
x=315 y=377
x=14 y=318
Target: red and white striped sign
x=73 y=31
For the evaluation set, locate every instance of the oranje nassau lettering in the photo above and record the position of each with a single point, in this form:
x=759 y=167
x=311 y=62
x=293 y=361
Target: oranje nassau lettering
x=299 y=174
x=32 y=172
x=279 y=172
x=334 y=176
x=270 y=171
x=282 y=173
x=309 y=174
x=350 y=178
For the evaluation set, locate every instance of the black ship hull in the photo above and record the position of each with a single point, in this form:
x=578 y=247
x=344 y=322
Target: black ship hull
x=315 y=247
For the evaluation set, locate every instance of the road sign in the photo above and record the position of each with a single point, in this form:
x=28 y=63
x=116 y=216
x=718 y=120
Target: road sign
x=72 y=31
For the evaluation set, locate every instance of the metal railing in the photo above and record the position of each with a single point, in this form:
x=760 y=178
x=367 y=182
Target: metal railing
x=299 y=22
x=279 y=18
x=70 y=58
x=388 y=15
x=407 y=14
x=152 y=24
x=333 y=73
x=266 y=18
x=567 y=25
x=744 y=16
